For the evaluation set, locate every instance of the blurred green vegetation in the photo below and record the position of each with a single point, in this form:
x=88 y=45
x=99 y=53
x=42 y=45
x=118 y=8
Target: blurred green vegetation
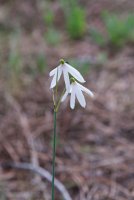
x=18 y=69
x=51 y=35
x=48 y=17
x=75 y=21
x=76 y=24
x=75 y=18
x=2 y=191
x=119 y=30
x=41 y=63
x=97 y=36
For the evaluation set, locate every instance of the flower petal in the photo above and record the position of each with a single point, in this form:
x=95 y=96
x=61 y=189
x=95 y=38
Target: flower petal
x=75 y=73
x=66 y=79
x=89 y=92
x=53 y=83
x=59 y=72
x=53 y=72
x=64 y=96
x=55 y=78
x=80 y=97
x=72 y=98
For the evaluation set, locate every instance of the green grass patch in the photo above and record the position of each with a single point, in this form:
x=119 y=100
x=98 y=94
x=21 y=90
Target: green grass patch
x=119 y=30
x=75 y=18
x=52 y=36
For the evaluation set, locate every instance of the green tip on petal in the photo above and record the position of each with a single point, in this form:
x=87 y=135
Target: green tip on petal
x=62 y=61
x=72 y=80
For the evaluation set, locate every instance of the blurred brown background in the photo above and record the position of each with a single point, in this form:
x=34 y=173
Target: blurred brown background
x=95 y=151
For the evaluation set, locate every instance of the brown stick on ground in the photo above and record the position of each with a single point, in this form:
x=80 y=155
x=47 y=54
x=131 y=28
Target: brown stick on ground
x=42 y=172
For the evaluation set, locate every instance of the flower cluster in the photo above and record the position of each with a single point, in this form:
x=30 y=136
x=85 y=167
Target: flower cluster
x=72 y=84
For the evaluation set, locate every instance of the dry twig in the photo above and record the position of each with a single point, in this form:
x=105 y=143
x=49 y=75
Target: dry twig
x=42 y=172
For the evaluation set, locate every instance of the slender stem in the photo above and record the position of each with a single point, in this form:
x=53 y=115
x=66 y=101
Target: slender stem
x=54 y=154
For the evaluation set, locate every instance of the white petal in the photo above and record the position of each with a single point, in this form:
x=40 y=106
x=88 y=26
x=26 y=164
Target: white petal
x=53 y=83
x=80 y=97
x=72 y=98
x=55 y=78
x=64 y=96
x=75 y=73
x=59 y=71
x=53 y=72
x=85 y=90
x=66 y=79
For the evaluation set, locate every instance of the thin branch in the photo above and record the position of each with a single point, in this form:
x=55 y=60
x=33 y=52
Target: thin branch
x=40 y=171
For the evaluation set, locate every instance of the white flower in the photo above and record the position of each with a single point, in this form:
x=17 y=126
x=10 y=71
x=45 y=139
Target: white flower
x=76 y=90
x=66 y=69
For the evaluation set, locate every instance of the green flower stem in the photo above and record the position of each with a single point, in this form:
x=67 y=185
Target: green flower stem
x=54 y=154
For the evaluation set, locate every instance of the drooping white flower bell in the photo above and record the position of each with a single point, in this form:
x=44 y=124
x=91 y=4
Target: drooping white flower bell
x=76 y=90
x=66 y=69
